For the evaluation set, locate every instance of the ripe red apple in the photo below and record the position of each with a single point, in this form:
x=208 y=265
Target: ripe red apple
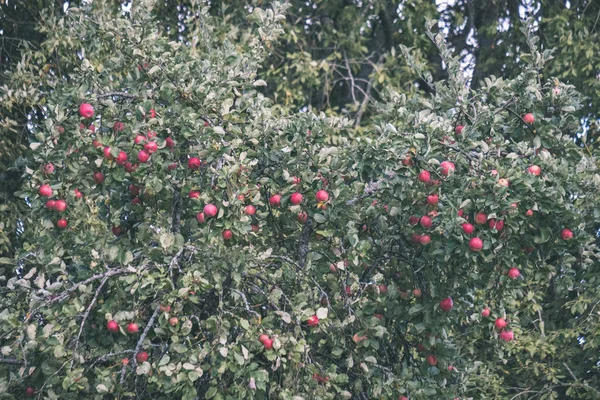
x=446 y=304
x=485 y=313
x=467 y=228
x=513 y=273
x=250 y=210
x=402 y=398
x=112 y=326
x=121 y=158
x=499 y=225
x=302 y=217
x=255 y=228
x=475 y=244
x=96 y=144
x=383 y=288
x=268 y=343
x=152 y=113
x=132 y=327
x=507 y=336
x=136 y=200
x=296 y=180
x=480 y=218
x=566 y=234
x=139 y=138
x=424 y=176
x=45 y=191
x=415 y=239
x=425 y=222
x=529 y=213
x=425 y=240
x=431 y=360
x=413 y=220
x=529 y=118
x=210 y=210
x=118 y=126
x=62 y=223
x=275 y=200
x=29 y=391
x=124 y=361
x=134 y=190
x=86 y=110
x=193 y=194
x=169 y=143
x=172 y=166
x=322 y=196
x=461 y=213
x=262 y=338
x=151 y=147
x=60 y=205
x=407 y=161
x=194 y=163
x=173 y=321
x=534 y=170
x=130 y=168
x=500 y=323
x=200 y=217
x=106 y=152
x=348 y=290
x=227 y=234
x=417 y=292
x=458 y=129
x=447 y=168
x=141 y=357
x=98 y=177
x=296 y=198
x=313 y=321
x=503 y=182
x=48 y=168
x=433 y=199
x=142 y=156
x=50 y=204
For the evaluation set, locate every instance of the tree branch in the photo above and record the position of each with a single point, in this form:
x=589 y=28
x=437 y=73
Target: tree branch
x=140 y=342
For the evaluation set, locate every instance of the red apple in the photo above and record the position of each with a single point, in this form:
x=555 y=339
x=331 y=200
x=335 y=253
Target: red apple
x=141 y=357
x=268 y=343
x=302 y=217
x=503 y=182
x=134 y=190
x=332 y=268
x=480 y=218
x=262 y=338
x=151 y=134
x=313 y=321
x=173 y=321
x=48 y=168
x=383 y=288
x=447 y=168
x=425 y=240
x=152 y=113
x=250 y=210
x=143 y=156
x=566 y=234
x=194 y=163
x=446 y=304
x=118 y=126
x=322 y=196
x=458 y=129
x=296 y=198
x=415 y=239
x=62 y=223
x=425 y=222
x=513 y=273
x=500 y=323
x=151 y=147
x=461 y=213
x=50 y=204
x=227 y=234
x=86 y=110
x=431 y=360
x=424 y=176
x=275 y=200
x=60 y=205
x=200 y=217
x=132 y=327
x=413 y=220
x=29 y=391
x=136 y=200
x=485 y=313
x=96 y=144
x=402 y=398
x=139 y=138
x=468 y=228
x=193 y=194
x=529 y=118
x=112 y=326
x=255 y=228
x=529 y=213
x=534 y=170
x=45 y=191
x=169 y=143
x=407 y=161
x=296 y=180
x=210 y=210
x=433 y=199
x=475 y=244
x=507 y=336
x=121 y=158
x=106 y=152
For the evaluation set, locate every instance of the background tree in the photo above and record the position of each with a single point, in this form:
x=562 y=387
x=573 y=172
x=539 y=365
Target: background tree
x=186 y=238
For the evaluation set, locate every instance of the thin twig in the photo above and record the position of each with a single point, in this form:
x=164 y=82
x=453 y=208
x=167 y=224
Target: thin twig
x=119 y=94
x=10 y=361
x=243 y=296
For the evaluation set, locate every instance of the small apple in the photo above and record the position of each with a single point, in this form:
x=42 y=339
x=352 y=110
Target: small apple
x=194 y=163
x=529 y=118
x=29 y=391
x=407 y=161
x=165 y=309
x=513 y=273
x=143 y=156
x=467 y=228
x=134 y=190
x=132 y=327
x=302 y=217
x=332 y=268
x=193 y=194
x=96 y=144
x=425 y=222
x=268 y=343
x=566 y=234
x=139 y=138
x=417 y=292
x=112 y=326
x=62 y=223
x=250 y=210
x=402 y=398
x=534 y=170
x=151 y=135
x=313 y=321
x=152 y=113
x=424 y=176
x=125 y=361
x=141 y=357
x=169 y=143
x=413 y=220
x=431 y=360
x=460 y=213
x=275 y=200
x=503 y=182
x=458 y=129
x=106 y=152
x=357 y=338
x=45 y=191
x=322 y=196
x=378 y=316
x=447 y=168
x=262 y=338
x=121 y=158
x=151 y=147
x=136 y=201
x=475 y=244
x=296 y=180
x=383 y=288
x=529 y=213
x=227 y=234
x=425 y=240
x=210 y=210
x=255 y=228
x=296 y=198
x=433 y=199
x=446 y=304
x=480 y=218
x=500 y=323
x=485 y=313
x=60 y=205
x=172 y=166
x=415 y=239
x=507 y=336
x=48 y=168
x=173 y=321
x=86 y=110
x=50 y=204
x=118 y=126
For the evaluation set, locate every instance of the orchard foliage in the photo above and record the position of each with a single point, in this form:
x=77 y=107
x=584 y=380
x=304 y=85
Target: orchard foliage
x=233 y=252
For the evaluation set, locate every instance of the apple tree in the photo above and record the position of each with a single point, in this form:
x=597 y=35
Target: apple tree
x=186 y=239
